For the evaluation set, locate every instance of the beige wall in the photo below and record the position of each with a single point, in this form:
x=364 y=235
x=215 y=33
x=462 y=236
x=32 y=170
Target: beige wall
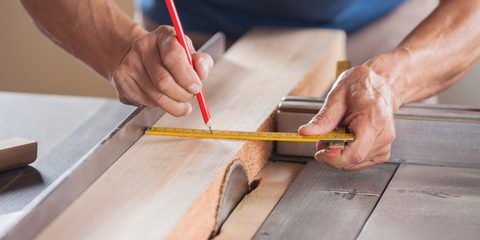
x=465 y=92
x=29 y=62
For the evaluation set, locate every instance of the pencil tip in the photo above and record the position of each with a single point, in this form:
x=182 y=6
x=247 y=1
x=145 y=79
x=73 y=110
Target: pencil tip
x=209 y=125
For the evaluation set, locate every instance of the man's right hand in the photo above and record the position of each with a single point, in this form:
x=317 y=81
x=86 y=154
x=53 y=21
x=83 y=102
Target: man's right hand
x=156 y=73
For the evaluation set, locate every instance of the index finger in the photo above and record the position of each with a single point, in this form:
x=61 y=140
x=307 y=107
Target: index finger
x=176 y=62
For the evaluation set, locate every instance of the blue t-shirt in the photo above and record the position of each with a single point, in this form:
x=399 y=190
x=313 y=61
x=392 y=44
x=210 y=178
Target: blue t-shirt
x=235 y=17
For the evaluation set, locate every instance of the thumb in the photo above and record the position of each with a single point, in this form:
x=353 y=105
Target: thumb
x=325 y=121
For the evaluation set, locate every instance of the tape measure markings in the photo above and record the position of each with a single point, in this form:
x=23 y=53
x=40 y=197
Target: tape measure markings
x=244 y=135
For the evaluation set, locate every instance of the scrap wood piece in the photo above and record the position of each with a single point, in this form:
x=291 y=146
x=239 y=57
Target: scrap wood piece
x=17 y=152
x=165 y=187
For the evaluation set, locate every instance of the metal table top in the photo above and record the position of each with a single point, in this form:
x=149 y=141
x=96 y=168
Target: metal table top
x=65 y=127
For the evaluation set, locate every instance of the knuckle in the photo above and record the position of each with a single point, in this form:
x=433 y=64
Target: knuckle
x=158 y=98
x=120 y=79
x=187 y=98
x=117 y=78
x=141 y=44
x=163 y=82
x=171 y=58
x=164 y=30
x=356 y=157
x=390 y=136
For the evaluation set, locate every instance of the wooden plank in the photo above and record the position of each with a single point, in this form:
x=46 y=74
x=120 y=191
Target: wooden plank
x=428 y=202
x=326 y=203
x=251 y=212
x=165 y=187
x=426 y=134
x=17 y=152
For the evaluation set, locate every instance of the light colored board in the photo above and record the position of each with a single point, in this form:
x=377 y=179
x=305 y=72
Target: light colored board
x=428 y=202
x=251 y=212
x=325 y=203
x=17 y=152
x=165 y=187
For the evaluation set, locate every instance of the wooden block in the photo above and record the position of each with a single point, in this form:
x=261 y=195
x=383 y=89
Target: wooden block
x=274 y=180
x=165 y=187
x=326 y=203
x=17 y=152
x=428 y=202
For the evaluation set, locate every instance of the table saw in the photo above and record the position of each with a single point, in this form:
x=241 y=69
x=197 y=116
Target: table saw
x=99 y=177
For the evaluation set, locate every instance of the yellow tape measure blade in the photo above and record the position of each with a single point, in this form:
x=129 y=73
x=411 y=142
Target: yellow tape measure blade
x=244 y=135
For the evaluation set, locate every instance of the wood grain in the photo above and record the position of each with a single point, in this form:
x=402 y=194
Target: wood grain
x=428 y=202
x=326 y=203
x=165 y=187
x=251 y=212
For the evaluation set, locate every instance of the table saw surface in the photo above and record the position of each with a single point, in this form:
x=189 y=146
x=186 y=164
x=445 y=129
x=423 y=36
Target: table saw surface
x=65 y=127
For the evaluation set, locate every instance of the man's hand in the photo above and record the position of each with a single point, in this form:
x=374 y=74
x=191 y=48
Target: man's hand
x=364 y=101
x=156 y=72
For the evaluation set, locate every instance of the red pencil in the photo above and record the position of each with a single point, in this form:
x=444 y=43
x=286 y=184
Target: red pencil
x=183 y=41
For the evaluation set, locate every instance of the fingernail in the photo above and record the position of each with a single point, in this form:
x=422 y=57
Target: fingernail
x=304 y=129
x=306 y=125
x=189 y=108
x=204 y=66
x=326 y=153
x=195 y=88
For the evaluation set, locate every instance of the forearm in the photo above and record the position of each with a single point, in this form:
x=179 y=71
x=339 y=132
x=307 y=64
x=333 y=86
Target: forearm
x=95 y=31
x=435 y=55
